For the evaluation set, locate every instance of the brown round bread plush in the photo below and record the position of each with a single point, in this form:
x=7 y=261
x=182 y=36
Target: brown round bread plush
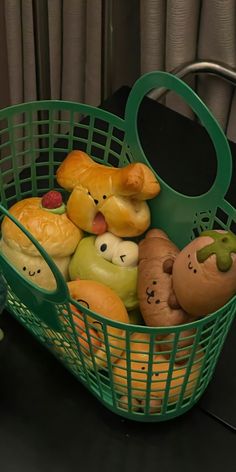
x=204 y=272
x=54 y=231
x=102 y=300
x=105 y=198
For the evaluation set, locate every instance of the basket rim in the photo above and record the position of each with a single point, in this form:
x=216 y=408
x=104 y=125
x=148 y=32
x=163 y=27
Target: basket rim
x=156 y=329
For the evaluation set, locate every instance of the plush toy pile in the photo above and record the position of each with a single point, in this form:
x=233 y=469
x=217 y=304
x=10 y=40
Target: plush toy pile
x=119 y=268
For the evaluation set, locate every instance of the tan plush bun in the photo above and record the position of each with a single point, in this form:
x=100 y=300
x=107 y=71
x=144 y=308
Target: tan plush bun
x=139 y=372
x=157 y=301
x=135 y=180
x=123 y=217
x=103 y=301
x=116 y=195
x=55 y=232
x=155 y=293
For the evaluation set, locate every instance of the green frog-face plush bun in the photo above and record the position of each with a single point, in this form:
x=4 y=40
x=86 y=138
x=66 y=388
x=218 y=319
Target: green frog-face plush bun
x=46 y=219
x=204 y=272
x=109 y=260
x=105 y=198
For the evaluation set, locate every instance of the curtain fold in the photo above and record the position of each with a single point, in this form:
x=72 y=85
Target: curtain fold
x=217 y=41
x=175 y=32
x=152 y=35
x=182 y=20
x=55 y=46
x=74 y=44
x=171 y=33
x=14 y=50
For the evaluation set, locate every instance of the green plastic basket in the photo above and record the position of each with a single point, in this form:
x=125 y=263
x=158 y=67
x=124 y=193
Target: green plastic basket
x=35 y=137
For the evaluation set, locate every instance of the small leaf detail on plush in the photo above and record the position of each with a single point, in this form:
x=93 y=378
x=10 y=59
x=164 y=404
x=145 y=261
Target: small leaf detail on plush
x=223 y=246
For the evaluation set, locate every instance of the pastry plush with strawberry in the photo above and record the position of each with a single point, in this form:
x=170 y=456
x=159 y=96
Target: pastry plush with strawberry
x=46 y=219
x=105 y=198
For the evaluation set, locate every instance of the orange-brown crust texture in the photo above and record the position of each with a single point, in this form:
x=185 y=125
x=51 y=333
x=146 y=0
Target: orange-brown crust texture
x=135 y=378
x=101 y=300
x=118 y=194
x=55 y=232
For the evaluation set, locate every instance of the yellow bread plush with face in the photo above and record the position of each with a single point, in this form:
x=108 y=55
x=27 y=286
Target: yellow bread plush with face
x=101 y=300
x=54 y=231
x=105 y=198
x=204 y=272
x=138 y=373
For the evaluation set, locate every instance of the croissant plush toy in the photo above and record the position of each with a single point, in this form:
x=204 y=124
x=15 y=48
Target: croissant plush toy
x=105 y=198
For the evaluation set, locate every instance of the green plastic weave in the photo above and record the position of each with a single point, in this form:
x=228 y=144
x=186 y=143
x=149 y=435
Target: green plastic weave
x=34 y=138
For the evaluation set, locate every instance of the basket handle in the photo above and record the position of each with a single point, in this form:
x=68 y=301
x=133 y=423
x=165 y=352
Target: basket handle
x=40 y=301
x=155 y=80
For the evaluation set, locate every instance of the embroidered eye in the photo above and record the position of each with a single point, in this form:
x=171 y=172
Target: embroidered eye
x=98 y=323
x=82 y=302
x=38 y=271
x=126 y=254
x=106 y=244
x=104 y=197
x=24 y=268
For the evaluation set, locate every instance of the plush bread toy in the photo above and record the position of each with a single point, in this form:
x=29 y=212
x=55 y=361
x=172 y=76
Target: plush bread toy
x=157 y=301
x=135 y=378
x=102 y=300
x=105 y=198
x=45 y=218
x=204 y=272
x=111 y=261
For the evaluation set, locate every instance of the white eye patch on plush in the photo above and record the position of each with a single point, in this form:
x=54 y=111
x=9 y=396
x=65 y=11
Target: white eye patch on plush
x=117 y=251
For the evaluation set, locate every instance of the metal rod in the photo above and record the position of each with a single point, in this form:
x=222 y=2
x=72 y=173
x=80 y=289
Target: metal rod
x=202 y=67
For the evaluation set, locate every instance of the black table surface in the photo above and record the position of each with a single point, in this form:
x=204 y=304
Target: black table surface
x=49 y=422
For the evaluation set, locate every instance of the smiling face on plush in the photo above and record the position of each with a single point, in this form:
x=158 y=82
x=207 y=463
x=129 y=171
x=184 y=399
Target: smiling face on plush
x=34 y=268
x=100 y=299
x=156 y=298
x=109 y=260
x=52 y=229
x=105 y=198
x=139 y=372
x=204 y=273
